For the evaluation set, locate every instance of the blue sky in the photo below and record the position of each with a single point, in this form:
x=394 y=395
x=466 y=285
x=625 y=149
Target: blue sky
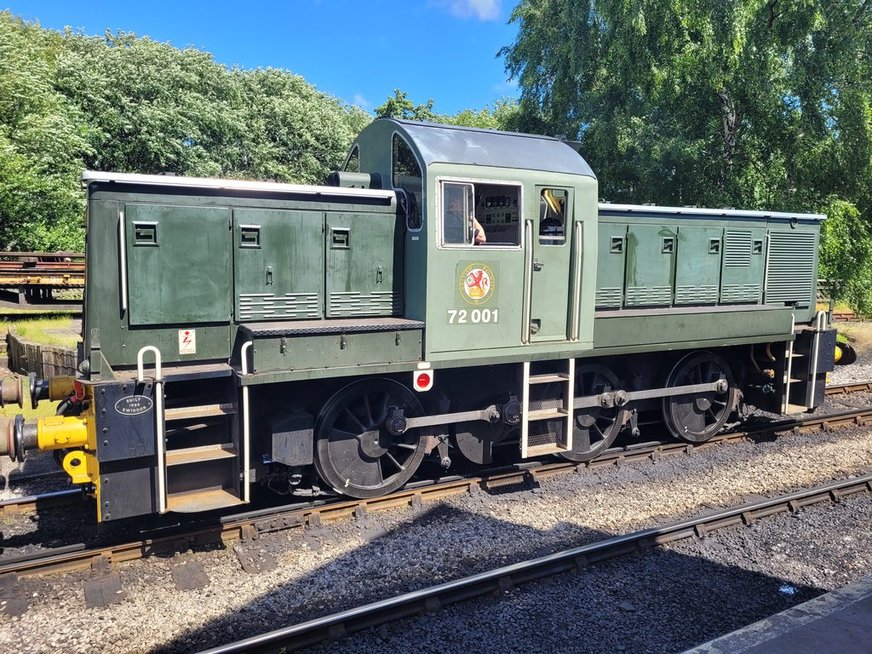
x=358 y=50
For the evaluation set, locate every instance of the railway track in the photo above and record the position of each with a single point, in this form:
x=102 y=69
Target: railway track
x=847 y=389
x=498 y=580
x=248 y=525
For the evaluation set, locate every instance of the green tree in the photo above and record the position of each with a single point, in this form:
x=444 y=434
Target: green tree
x=130 y=104
x=400 y=106
x=758 y=103
x=503 y=115
x=846 y=255
x=296 y=133
x=155 y=108
x=152 y=108
x=42 y=140
x=753 y=103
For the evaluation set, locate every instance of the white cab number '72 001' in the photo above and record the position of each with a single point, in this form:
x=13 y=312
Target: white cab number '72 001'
x=474 y=316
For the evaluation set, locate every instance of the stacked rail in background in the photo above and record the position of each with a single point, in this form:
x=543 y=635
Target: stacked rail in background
x=31 y=278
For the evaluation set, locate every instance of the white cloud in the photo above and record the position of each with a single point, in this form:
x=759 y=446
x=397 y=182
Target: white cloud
x=360 y=101
x=478 y=9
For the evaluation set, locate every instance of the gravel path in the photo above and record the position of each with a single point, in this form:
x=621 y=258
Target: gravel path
x=299 y=575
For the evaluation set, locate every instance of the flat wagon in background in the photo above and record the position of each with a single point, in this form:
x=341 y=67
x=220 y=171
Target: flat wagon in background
x=32 y=278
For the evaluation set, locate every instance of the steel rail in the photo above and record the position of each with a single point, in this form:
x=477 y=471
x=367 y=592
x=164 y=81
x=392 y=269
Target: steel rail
x=247 y=525
x=847 y=389
x=50 y=499
x=500 y=579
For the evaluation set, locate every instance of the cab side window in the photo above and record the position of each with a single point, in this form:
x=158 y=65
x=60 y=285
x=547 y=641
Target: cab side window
x=406 y=175
x=352 y=164
x=457 y=203
x=480 y=214
x=552 y=216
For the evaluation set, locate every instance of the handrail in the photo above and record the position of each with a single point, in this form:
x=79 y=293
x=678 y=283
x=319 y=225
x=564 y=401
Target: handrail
x=246 y=433
x=570 y=403
x=575 y=305
x=122 y=254
x=160 y=444
x=526 y=312
x=820 y=326
x=788 y=352
x=140 y=357
x=525 y=409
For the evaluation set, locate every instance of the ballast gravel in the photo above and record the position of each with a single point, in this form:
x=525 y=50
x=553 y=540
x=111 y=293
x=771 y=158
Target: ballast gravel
x=673 y=598
x=859 y=371
x=298 y=575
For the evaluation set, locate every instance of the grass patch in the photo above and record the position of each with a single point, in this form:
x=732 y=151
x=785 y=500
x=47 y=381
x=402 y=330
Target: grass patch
x=859 y=334
x=840 y=307
x=5 y=312
x=47 y=330
x=51 y=330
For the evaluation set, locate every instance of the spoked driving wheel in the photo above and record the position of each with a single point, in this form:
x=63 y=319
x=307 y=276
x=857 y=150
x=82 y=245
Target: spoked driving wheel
x=697 y=417
x=594 y=428
x=355 y=452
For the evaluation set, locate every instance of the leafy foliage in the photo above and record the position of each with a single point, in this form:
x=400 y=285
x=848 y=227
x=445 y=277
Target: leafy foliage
x=846 y=255
x=42 y=140
x=400 y=106
x=752 y=103
x=130 y=104
x=503 y=115
x=295 y=132
x=763 y=104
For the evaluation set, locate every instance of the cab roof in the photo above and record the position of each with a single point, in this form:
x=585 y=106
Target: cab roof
x=485 y=147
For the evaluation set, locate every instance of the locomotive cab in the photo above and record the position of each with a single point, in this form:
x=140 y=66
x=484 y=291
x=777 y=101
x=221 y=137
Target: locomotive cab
x=528 y=286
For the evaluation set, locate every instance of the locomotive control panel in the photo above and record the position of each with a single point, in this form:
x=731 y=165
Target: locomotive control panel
x=498 y=210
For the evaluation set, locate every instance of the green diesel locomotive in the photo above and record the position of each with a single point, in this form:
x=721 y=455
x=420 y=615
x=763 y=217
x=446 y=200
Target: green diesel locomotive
x=450 y=293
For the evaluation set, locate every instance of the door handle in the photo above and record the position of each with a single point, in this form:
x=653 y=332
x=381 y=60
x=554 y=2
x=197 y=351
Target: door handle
x=537 y=265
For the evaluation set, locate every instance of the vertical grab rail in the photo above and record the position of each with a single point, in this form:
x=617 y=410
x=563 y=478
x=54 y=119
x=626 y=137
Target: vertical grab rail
x=789 y=371
x=525 y=411
x=122 y=255
x=570 y=403
x=527 y=309
x=575 y=305
x=820 y=325
x=160 y=445
x=246 y=480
